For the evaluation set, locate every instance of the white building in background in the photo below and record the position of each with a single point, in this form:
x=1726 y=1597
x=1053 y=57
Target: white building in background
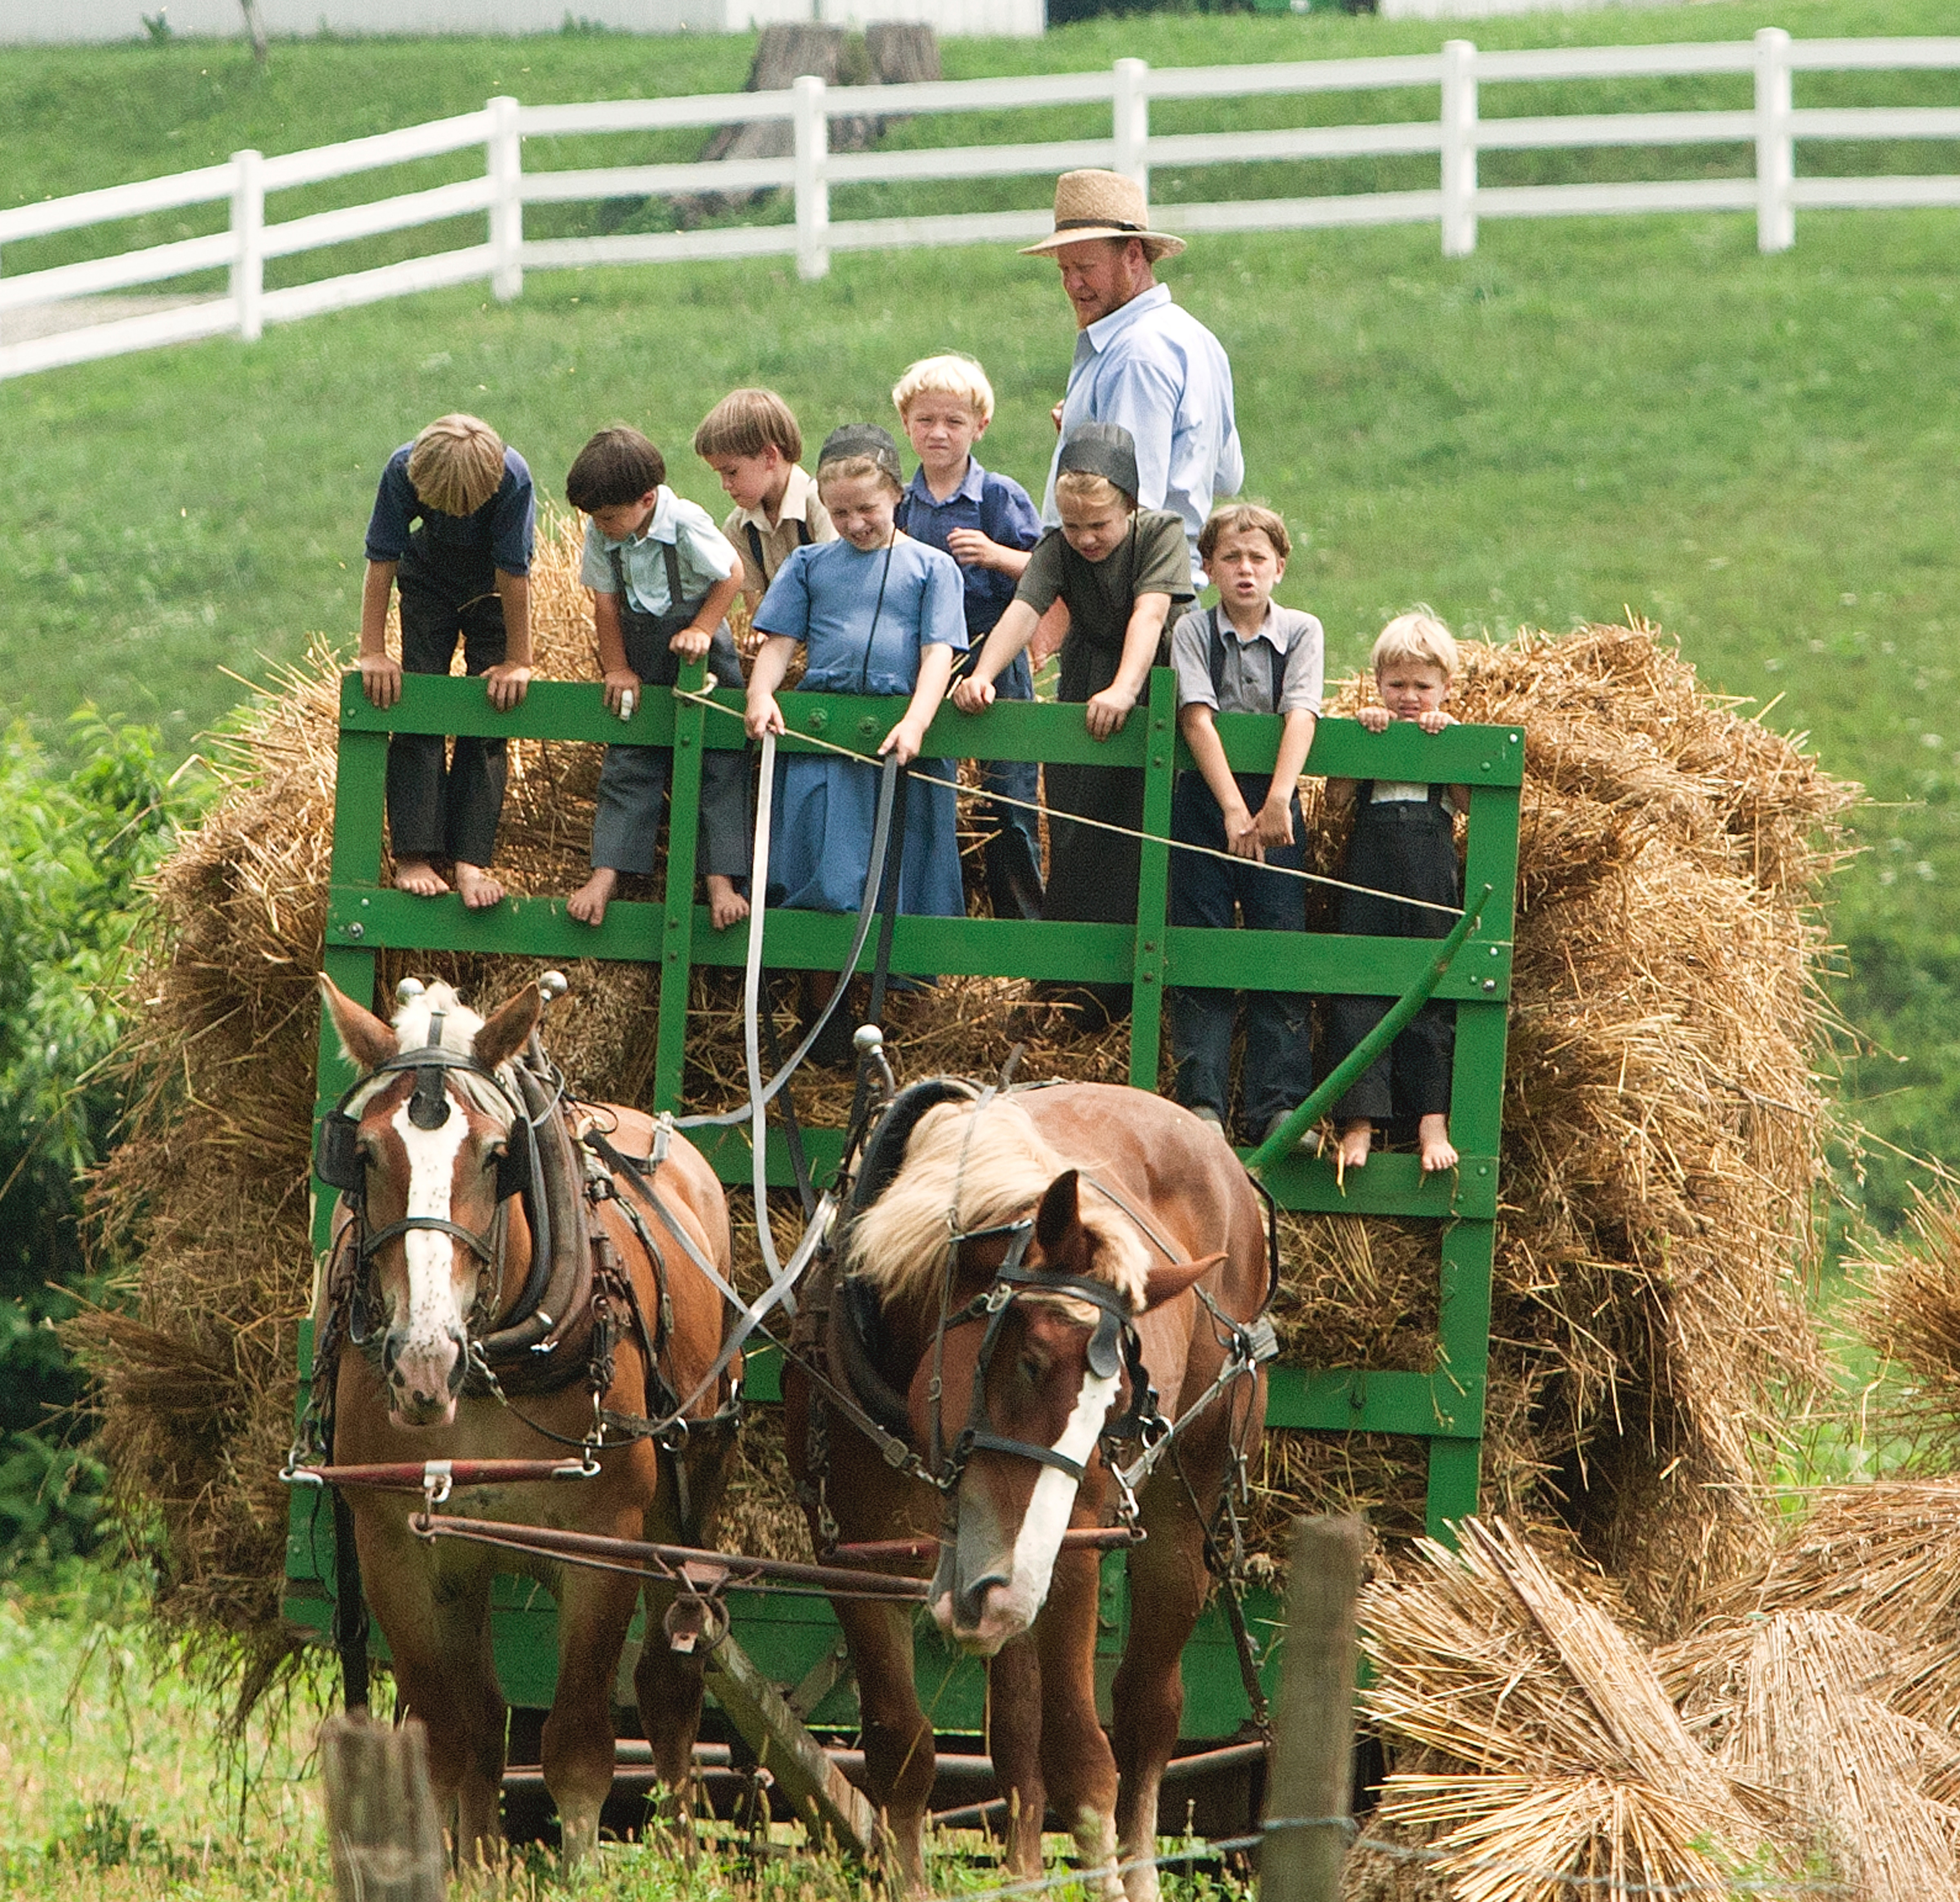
x=26 y=21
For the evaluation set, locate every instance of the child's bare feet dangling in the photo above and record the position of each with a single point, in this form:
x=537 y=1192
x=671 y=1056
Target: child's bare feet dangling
x=725 y=906
x=418 y=876
x=480 y=891
x=1432 y=1137
x=1355 y=1138
x=588 y=903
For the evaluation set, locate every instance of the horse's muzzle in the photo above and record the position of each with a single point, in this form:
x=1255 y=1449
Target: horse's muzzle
x=424 y=1378
x=970 y=1589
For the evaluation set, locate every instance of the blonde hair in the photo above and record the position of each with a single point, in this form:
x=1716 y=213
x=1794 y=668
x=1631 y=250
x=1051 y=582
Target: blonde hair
x=1085 y=485
x=745 y=422
x=456 y=465
x=1417 y=636
x=1244 y=518
x=949 y=375
x=844 y=469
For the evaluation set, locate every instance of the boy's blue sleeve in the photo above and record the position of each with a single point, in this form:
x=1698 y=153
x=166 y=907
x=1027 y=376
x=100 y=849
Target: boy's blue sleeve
x=396 y=508
x=785 y=609
x=514 y=517
x=1008 y=514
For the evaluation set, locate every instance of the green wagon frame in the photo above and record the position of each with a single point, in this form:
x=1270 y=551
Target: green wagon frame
x=794 y=1642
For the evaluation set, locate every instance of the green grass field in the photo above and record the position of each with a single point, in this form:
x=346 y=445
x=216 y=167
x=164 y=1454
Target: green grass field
x=1587 y=417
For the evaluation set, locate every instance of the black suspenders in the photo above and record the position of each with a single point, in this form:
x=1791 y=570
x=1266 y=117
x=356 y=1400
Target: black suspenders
x=755 y=547
x=1275 y=674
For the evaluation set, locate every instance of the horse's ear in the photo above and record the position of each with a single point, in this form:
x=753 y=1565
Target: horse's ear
x=503 y=1036
x=1058 y=1220
x=1166 y=1284
x=364 y=1038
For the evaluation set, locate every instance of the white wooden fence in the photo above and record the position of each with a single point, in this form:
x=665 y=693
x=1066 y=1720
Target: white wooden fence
x=1457 y=134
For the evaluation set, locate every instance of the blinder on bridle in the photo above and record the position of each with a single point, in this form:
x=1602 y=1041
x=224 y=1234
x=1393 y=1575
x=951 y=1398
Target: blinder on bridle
x=337 y=1159
x=1113 y=1347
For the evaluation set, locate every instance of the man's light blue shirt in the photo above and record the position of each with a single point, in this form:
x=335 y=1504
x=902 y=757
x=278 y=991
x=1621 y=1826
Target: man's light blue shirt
x=1159 y=372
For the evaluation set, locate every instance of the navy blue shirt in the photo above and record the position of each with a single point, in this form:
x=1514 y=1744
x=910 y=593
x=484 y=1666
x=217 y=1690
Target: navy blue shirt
x=501 y=530
x=1000 y=508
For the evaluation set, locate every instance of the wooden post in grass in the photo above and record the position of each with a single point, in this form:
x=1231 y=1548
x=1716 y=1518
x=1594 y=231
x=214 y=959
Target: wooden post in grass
x=1312 y=1782
x=381 y=1824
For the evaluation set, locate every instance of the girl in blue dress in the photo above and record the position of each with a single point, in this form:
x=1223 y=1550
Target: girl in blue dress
x=876 y=613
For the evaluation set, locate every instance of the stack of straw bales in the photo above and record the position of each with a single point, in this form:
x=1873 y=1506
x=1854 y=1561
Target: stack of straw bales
x=1661 y=1141
x=1534 y=1744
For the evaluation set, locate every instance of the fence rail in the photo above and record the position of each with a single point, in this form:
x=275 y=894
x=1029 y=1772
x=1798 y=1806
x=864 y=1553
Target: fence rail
x=1773 y=126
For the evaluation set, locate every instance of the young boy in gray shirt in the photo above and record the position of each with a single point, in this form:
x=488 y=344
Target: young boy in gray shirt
x=1246 y=655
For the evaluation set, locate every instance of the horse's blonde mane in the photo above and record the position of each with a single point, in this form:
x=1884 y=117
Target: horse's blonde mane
x=459 y=1026
x=999 y=1165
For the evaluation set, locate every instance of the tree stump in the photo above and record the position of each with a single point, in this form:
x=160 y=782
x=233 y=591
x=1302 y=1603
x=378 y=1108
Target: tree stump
x=381 y=1824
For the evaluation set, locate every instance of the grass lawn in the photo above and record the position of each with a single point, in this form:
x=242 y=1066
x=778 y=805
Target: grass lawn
x=1588 y=416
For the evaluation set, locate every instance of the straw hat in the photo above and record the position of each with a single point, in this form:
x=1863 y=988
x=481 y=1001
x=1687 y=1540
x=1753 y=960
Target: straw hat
x=1102 y=204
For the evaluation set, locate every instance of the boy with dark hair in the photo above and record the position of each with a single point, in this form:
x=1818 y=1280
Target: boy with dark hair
x=752 y=440
x=452 y=526
x=1118 y=569
x=662 y=578
x=1247 y=655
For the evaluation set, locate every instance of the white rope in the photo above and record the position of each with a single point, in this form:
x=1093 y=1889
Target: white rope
x=1101 y=825
x=752 y=998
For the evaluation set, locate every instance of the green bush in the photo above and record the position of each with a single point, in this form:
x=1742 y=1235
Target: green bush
x=77 y=836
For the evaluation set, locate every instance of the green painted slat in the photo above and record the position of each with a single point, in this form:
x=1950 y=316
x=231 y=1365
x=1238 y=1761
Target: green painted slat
x=1436 y=1406
x=1388 y=1185
x=540 y=927
x=1147 y=991
x=1476 y=756
x=677 y=912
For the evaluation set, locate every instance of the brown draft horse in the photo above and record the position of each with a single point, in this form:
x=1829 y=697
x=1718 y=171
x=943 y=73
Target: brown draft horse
x=1127 y=1207
x=620 y=1318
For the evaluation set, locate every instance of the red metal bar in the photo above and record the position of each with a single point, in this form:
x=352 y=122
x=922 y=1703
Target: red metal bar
x=411 y=1476
x=739 y=1568
x=1077 y=1539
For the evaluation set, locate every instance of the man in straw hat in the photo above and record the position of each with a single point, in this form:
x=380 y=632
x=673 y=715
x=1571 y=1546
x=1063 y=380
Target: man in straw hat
x=1139 y=360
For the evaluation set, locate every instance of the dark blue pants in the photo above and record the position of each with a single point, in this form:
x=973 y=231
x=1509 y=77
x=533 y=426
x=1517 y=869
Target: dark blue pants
x=445 y=797
x=1012 y=854
x=1279 y=1037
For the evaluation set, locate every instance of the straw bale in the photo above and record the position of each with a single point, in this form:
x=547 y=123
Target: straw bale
x=1532 y=1741
x=1660 y=1145
x=1804 y=1702
x=1909 y=1308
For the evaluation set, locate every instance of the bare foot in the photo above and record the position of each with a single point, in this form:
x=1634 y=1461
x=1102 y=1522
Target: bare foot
x=480 y=891
x=588 y=903
x=418 y=876
x=725 y=906
x=1438 y=1153
x=1354 y=1141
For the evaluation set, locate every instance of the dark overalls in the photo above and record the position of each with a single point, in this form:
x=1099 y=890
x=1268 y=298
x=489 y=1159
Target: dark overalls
x=445 y=797
x=1278 y=1069
x=634 y=780
x=1406 y=847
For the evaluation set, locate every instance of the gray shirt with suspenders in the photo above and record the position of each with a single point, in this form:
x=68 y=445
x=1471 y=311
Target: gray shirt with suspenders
x=626 y=821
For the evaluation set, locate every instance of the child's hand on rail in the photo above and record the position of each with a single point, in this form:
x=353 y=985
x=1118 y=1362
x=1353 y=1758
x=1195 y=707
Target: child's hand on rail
x=691 y=644
x=506 y=683
x=1106 y=711
x=904 y=740
x=973 y=696
x=620 y=681
x=381 y=678
x=764 y=716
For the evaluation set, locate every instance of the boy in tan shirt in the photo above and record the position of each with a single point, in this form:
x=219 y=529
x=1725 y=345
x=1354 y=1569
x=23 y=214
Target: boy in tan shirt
x=752 y=440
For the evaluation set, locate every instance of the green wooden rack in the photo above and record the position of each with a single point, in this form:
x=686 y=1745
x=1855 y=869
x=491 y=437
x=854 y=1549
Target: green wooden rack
x=1442 y=1406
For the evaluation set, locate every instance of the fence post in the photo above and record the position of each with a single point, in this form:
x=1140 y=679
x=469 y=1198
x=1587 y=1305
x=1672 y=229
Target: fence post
x=1775 y=151
x=381 y=1828
x=1132 y=122
x=1312 y=1779
x=1459 y=148
x=248 y=243
x=507 y=204
x=812 y=188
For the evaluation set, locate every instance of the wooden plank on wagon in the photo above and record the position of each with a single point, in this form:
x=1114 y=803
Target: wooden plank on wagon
x=825 y=1800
